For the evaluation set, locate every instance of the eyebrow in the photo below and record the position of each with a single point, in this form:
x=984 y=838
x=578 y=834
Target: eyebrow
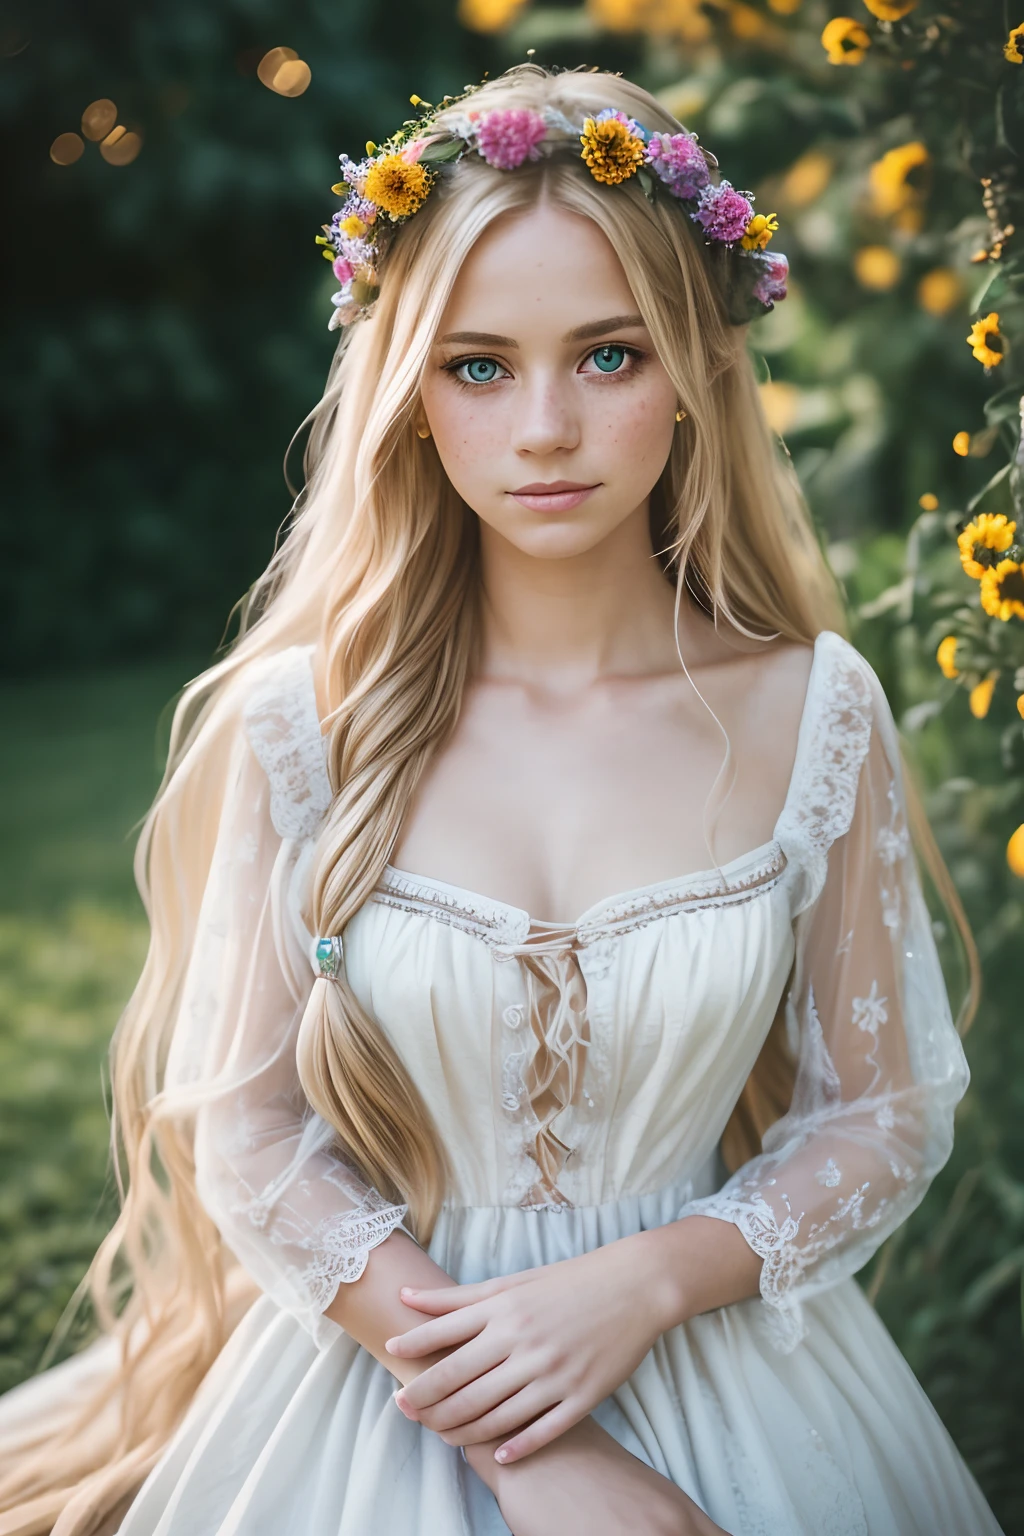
x=578 y=333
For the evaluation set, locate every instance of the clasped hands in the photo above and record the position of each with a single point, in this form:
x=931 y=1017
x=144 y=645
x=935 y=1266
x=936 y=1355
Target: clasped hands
x=535 y=1351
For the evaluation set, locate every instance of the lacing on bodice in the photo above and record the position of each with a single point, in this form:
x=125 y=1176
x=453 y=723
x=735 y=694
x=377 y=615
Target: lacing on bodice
x=539 y=1084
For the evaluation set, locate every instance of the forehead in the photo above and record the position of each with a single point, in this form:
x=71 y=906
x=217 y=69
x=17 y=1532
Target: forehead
x=537 y=269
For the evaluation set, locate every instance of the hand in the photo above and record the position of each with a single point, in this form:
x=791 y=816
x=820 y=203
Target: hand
x=587 y=1481
x=545 y=1345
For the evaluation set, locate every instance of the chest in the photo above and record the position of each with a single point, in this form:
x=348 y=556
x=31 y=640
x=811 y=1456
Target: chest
x=553 y=808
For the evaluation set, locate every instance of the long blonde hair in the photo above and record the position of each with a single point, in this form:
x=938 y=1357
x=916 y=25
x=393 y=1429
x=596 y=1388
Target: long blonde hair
x=380 y=568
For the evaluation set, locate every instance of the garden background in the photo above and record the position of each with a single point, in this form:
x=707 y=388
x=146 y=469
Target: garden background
x=165 y=334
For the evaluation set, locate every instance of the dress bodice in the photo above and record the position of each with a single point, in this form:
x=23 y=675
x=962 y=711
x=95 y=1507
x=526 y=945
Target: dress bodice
x=587 y=1068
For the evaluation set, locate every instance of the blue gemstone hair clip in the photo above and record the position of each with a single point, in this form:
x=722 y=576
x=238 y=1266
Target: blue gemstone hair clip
x=329 y=956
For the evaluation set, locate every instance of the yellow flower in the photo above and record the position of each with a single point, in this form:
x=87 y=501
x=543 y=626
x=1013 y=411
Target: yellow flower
x=944 y=656
x=892 y=190
x=940 y=290
x=759 y=231
x=845 y=41
x=806 y=178
x=353 y=226
x=1015 y=852
x=784 y=7
x=982 y=331
x=876 y=266
x=962 y=444
x=890 y=10
x=1011 y=48
x=397 y=188
x=1020 y=705
x=990 y=531
x=928 y=502
x=488 y=15
x=611 y=150
x=981 y=696
x=1002 y=590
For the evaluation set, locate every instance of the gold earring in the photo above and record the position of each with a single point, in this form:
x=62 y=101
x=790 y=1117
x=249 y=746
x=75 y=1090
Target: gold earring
x=423 y=431
x=680 y=414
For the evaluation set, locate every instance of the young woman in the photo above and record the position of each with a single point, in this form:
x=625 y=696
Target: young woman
x=542 y=1020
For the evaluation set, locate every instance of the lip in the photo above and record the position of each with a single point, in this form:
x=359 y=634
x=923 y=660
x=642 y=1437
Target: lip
x=554 y=496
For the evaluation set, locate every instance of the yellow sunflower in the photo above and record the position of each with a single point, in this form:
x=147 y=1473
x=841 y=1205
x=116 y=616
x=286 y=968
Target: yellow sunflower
x=890 y=10
x=896 y=179
x=759 y=231
x=1011 y=48
x=982 y=333
x=981 y=696
x=1002 y=590
x=991 y=531
x=845 y=41
x=945 y=656
x=1015 y=852
x=396 y=187
x=611 y=149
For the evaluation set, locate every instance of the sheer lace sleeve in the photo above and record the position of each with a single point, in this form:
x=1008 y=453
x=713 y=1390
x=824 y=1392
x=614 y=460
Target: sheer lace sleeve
x=269 y=1170
x=880 y=1066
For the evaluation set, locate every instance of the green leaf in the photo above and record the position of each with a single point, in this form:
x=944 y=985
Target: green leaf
x=995 y=271
x=646 y=181
x=996 y=480
x=443 y=152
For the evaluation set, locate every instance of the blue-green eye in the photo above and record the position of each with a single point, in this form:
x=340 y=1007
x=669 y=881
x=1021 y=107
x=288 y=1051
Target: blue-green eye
x=478 y=370
x=609 y=359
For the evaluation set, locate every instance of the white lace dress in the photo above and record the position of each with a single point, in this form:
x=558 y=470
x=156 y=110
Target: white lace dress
x=581 y=1078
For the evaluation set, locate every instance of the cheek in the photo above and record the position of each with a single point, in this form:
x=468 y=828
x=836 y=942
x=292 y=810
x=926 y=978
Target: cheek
x=635 y=430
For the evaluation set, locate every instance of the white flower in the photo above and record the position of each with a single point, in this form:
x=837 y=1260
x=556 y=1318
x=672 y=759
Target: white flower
x=870 y=1012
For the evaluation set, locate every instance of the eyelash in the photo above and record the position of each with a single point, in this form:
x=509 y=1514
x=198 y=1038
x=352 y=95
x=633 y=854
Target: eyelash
x=639 y=357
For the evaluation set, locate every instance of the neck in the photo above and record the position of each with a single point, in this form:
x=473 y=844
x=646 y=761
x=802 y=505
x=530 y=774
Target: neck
x=563 y=623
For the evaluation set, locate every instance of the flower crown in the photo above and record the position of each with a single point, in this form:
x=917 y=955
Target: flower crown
x=394 y=180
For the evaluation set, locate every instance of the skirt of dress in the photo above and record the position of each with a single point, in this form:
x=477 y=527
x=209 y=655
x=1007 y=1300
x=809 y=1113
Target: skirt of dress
x=836 y=1438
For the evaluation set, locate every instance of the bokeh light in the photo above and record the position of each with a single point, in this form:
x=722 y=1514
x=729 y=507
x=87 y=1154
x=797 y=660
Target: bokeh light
x=67 y=148
x=940 y=290
x=98 y=119
x=283 y=72
x=120 y=147
x=292 y=78
x=877 y=267
x=929 y=502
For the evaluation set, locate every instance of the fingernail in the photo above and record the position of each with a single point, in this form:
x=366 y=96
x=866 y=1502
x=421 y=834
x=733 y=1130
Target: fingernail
x=501 y=1455
x=409 y=1290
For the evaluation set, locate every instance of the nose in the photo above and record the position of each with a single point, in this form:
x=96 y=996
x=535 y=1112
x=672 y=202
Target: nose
x=545 y=419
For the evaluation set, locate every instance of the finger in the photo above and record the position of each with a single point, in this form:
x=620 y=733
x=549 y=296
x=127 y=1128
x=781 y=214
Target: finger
x=462 y=1408
x=547 y=1428
x=448 y=1298
x=449 y=1375
x=506 y=1418
x=439 y=1333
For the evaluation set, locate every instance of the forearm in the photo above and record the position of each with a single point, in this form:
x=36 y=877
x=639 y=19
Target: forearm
x=694 y=1265
x=371 y=1310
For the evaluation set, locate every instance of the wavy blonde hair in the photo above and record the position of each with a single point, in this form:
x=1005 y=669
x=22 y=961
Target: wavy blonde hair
x=380 y=568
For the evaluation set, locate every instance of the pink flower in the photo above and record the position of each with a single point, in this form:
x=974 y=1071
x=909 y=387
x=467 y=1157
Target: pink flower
x=342 y=269
x=678 y=159
x=770 y=287
x=723 y=213
x=505 y=139
x=412 y=151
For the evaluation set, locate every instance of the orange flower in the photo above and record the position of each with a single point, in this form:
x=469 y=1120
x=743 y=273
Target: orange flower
x=1002 y=590
x=1011 y=48
x=1015 y=852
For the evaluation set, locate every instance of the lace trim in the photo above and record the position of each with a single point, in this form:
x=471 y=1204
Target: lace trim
x=503 y=927
x=283 y=726
x=776 y=1246
x=341 y=1245
x=830 y=752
